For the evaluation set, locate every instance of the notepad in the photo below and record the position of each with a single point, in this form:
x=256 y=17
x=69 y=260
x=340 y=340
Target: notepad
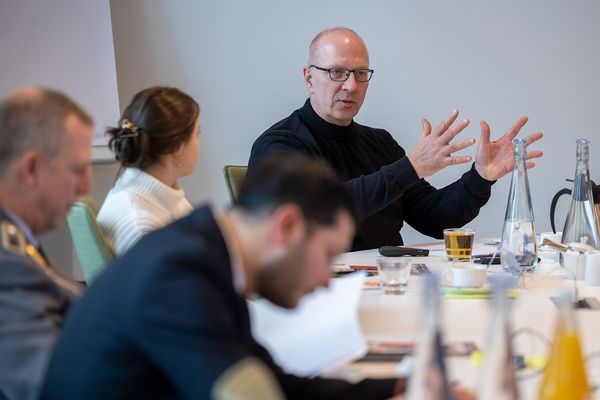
x=467 y=293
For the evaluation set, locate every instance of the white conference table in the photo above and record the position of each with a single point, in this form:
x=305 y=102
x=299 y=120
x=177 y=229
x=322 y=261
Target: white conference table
x=385 y=317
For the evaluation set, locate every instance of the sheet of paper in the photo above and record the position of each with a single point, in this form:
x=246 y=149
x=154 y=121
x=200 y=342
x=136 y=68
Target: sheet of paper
x=322 y=332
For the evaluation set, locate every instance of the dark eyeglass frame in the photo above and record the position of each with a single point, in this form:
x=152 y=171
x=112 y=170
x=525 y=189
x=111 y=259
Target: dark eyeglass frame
x=347 y=71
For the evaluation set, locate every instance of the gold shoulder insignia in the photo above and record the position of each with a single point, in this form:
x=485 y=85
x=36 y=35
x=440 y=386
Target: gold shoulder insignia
x=36 y=256
x=12 y=239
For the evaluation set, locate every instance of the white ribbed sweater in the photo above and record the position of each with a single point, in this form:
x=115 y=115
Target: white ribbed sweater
x=136 y=205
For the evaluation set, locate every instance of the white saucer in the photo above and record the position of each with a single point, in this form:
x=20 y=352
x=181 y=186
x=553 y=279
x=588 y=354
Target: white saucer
x=486 y=287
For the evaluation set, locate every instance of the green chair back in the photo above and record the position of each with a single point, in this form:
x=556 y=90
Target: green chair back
x=234 y=177
x=93 y=251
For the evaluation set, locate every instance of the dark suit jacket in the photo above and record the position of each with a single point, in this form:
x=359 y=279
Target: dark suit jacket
x=164 y=321
x=32 y=305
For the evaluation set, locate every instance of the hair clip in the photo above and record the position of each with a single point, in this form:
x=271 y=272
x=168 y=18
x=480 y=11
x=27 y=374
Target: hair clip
x=127 y=125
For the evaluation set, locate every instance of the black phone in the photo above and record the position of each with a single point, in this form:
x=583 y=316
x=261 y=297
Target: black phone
x=399 y=251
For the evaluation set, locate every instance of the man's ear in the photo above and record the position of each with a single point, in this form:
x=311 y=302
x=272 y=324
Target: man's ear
x=308 y=79
x=29 y=168
x=287 y=225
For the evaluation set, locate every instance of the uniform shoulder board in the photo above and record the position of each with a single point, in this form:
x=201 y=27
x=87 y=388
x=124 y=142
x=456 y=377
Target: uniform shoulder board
x=12 y=239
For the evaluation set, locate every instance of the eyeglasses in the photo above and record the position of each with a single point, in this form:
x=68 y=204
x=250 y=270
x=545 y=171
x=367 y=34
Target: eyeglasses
x=341 y=75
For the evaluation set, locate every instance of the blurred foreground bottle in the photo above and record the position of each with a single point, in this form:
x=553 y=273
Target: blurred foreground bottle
x=499 y=381
x=565 y=377
x=518 y=233
x=580 y=226
x=429 y=380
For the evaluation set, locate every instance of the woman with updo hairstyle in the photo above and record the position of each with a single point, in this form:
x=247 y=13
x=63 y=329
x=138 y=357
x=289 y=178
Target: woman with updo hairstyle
x=156 y=143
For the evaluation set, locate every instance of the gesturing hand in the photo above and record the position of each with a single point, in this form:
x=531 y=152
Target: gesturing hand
x=496 y=159
x=433 y=151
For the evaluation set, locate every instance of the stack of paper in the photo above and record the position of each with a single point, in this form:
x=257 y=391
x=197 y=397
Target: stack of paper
x=322 y=332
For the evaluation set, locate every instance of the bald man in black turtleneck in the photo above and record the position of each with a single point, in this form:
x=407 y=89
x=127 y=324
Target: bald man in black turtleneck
x=388 y=184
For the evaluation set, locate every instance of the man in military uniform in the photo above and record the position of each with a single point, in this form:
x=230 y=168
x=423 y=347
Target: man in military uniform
x=45 y=153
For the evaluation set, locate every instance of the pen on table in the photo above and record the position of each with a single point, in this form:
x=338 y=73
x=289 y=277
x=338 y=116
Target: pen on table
x=355 y=267
x=365 y=267
x=370 y=269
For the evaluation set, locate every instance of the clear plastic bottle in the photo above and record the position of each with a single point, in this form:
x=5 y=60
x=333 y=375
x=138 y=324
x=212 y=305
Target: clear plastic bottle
x=518 y=233
x=498 y=381
x=580 y=226
x=429 y=379
x=565 y=377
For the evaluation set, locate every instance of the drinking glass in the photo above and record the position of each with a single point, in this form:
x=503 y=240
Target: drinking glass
x=393 y=274
x=459 y=243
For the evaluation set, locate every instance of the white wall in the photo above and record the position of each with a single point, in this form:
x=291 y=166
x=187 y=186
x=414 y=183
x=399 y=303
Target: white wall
x=492 y=60
x=66 y=45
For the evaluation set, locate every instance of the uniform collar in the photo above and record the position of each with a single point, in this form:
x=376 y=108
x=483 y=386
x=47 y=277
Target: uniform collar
x=23 y=227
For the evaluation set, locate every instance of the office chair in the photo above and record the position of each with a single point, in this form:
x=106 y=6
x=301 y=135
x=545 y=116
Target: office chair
x=93 y=251
x=234 y=177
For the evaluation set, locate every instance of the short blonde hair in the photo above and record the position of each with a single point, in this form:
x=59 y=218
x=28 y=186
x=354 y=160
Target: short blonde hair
x=35 y=119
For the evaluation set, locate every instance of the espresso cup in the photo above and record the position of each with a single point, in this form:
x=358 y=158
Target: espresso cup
x=458 y=243
x=465 y=275
x=555 y=237
x=547 y=253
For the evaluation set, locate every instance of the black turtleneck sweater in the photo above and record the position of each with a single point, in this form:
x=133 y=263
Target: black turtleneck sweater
x=385 y=187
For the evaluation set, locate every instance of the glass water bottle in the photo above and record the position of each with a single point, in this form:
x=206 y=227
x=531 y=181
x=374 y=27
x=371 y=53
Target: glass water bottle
x=518 y=233
x=580 y=226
